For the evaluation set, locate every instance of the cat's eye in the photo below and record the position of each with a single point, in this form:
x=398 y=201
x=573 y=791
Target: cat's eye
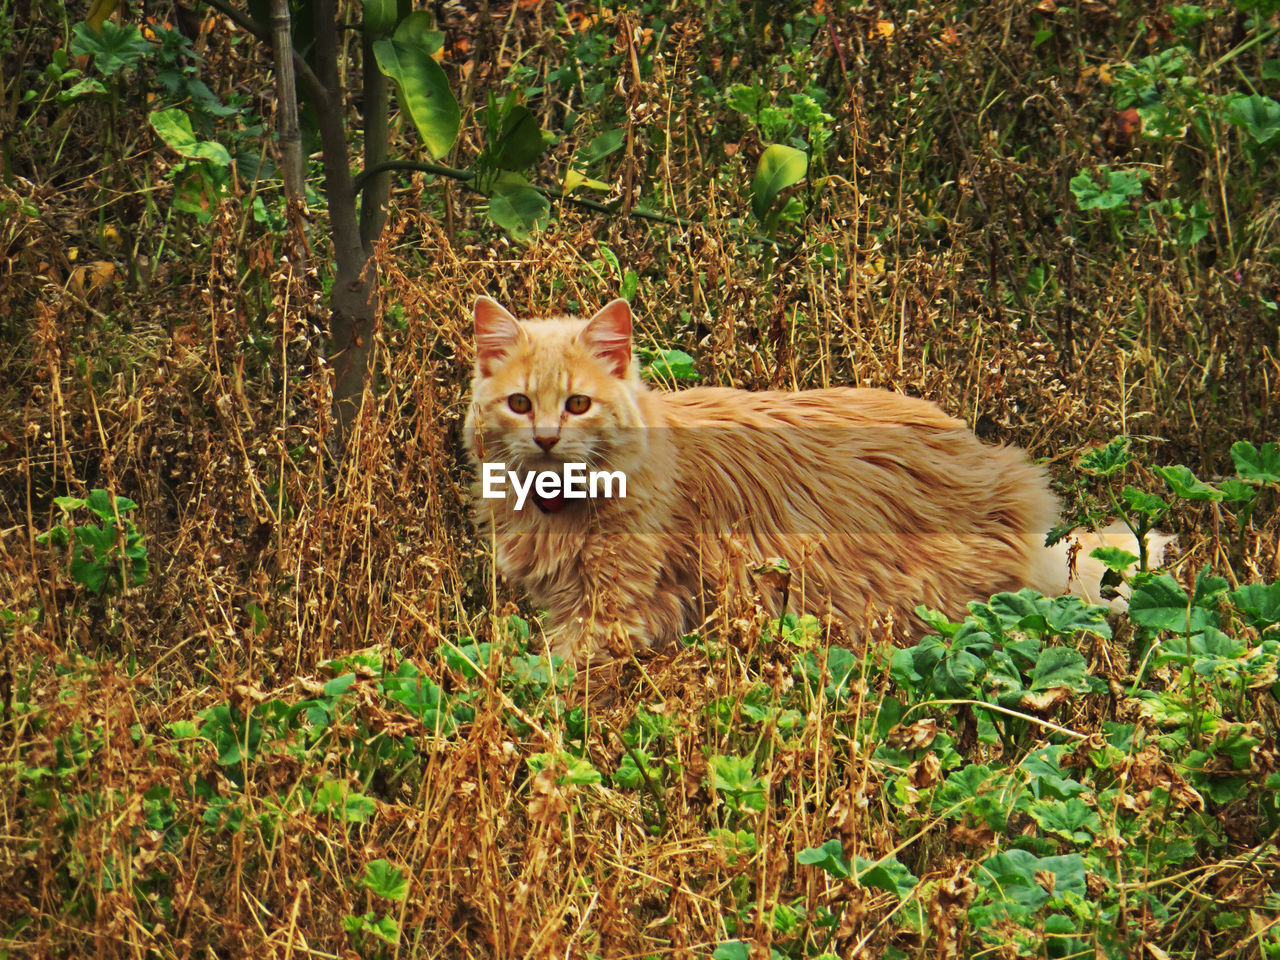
x=519 y=403
x=578 y=404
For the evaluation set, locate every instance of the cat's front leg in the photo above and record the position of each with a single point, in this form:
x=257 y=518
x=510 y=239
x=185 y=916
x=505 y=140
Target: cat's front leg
x=586 y=638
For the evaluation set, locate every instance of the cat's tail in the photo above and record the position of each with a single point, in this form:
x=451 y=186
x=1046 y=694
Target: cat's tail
x=1067 y=566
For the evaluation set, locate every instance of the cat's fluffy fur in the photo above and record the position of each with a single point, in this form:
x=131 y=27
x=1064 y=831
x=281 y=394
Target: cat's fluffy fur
x=877 y=501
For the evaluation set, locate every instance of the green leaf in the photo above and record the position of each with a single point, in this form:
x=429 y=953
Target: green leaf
x=602 y=146
x=887 y=874
x=423 y=91
x=520 y=144
x=580 y=772
x=99 y=501
x=174 y=128
x=1146 y=503
x=1161 y=604
x=380 y=17
x=102 y=539
x=1259 y=115
x=117 y=47
x=1060 y=667
x=732 y=950
x=418 y=30
x=1114 y=189
x=1115 y=558
x=384 y=928
x=670 y=364
x=519 y=209
x=1072 y=819
x=336 y=799
x=1237 y=491
x=1259 y=602
x=1104 y=461
x=780 y=166
x=1254 y=465
x=830 y=857
x=91 y=573
x=384 y=880
x=1184 y=484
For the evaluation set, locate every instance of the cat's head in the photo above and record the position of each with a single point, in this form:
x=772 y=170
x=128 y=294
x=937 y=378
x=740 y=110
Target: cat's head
x=555 y=391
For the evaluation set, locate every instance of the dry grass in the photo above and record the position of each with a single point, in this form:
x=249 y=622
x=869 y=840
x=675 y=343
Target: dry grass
x=203 y=397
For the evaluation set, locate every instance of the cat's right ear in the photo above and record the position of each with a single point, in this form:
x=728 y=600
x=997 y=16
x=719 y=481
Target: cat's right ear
x=497 y=333
x=608 y=335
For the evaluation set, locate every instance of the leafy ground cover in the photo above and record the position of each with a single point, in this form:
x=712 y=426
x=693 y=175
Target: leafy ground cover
x=260 y=702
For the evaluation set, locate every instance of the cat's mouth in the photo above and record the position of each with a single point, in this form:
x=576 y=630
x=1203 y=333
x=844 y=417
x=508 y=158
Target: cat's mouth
x=549 y=504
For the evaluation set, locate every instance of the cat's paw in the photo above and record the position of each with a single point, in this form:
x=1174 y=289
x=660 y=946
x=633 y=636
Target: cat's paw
x=586 y=642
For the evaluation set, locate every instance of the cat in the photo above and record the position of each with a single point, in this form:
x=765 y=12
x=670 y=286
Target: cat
x=875 y=501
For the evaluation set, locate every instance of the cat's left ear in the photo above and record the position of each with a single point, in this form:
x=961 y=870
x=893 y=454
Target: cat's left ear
x=608 y=336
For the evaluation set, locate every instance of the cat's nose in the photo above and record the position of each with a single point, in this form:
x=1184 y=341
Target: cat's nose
x=546 y=443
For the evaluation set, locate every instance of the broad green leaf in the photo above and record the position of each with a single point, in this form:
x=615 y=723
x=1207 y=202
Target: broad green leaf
x=1161 y=604
x=384 y=928
x=1113 y=190
x=520 y=143
x=603 y=145
x=959 y=675
x=1060 y=667
x=114 y=48
x=99 y=501
x=102 y=539
x=1146 y=503
x=1257 y=465
x=1237 y=491
x=519 y=209
x=174 y=127
x=423 y=91
x=1184 y=484
x=91 y=573
x=830 y=857
x=339 y=684
x=1104 y=461
x=732 y=950
x=1205 y=651
x=418 y=30
x=1259 y=602
x=380 y=17
x=780 y=166
x=1115 y=558
x=1068 y=872
x=887 y=874
x=1259 y=115
x=1072 y=819
x=385 y=881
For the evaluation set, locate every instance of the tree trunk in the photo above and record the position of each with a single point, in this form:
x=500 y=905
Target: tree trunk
x=354 y=318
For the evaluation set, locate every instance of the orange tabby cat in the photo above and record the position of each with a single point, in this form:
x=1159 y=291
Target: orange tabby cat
x=876 y=501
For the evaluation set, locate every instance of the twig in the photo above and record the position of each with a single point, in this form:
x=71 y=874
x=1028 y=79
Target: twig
x=315 y=89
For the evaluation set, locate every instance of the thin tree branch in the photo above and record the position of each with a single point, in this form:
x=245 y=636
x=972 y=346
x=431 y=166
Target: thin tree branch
x=287 y=95
x=315 y=89
x=640 y=213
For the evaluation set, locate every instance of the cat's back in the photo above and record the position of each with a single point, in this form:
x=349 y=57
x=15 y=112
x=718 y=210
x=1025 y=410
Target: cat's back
x=832 y=407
